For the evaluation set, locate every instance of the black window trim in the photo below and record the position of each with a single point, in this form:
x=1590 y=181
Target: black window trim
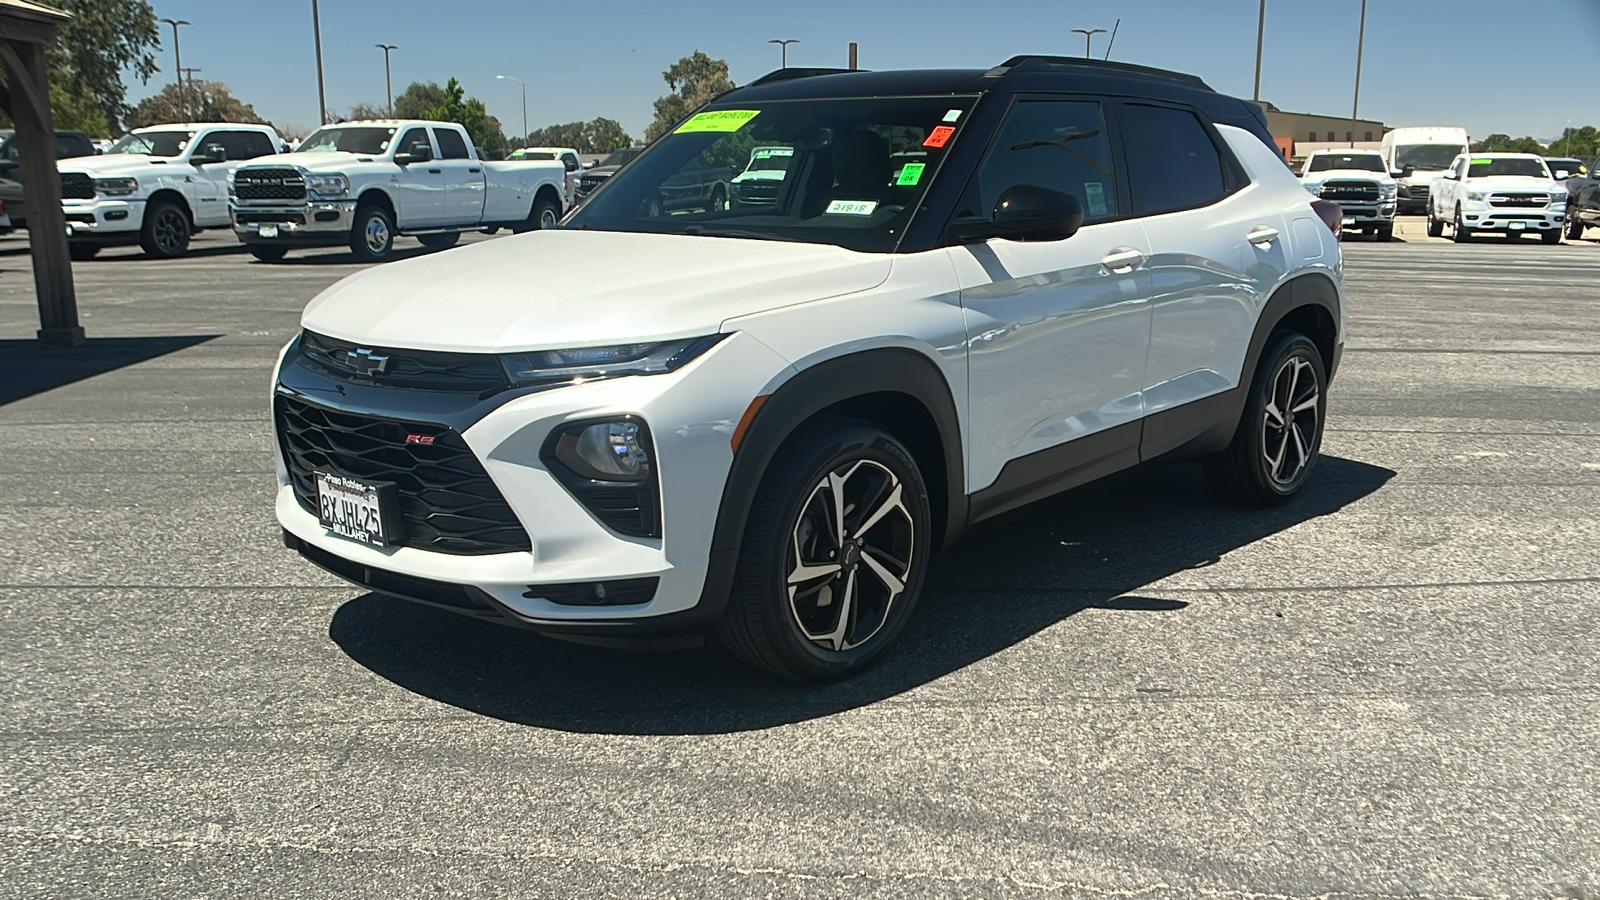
x=1234 y=178
x=427 y=133
x=438 y=141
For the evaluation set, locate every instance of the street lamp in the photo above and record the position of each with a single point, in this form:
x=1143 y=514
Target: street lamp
x=784 y=47
x=1088 y=35
x=177 y=55
x=1261 y=33
x=524 y=104
x=388 y=84
x=1361 y=40
x=316 y=36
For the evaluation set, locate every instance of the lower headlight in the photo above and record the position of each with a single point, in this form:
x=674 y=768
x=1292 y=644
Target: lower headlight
x=608 y=465
x=116 y=187
x=551 y=367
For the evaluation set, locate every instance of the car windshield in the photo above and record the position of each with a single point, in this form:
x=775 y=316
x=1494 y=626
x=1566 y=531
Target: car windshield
x=769 y=159
x=1436 y=157
x=621 y=157
x=363 y=139
x=850 y=179
x=1519 y=167
x=1569 y=166
x=1366 y=162
x=154 y=143
x=532 y=154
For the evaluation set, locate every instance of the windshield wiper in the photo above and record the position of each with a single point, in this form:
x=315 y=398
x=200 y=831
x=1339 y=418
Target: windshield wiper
x=700 y=231
x=1062 y=143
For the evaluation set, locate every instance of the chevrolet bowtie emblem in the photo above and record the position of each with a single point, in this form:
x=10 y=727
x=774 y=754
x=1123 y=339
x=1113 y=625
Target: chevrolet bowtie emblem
x=365 y=361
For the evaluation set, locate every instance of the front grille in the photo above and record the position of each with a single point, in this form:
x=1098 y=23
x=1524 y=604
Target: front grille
x=81 y=218
x=247 y=217
x=269 y=184
x=76 y=186
x=447 y=500
x=1414 y=192
x=588 y=183
x=420 y=370
x=764 y=193
x=1357 y=191
x=1520 y=201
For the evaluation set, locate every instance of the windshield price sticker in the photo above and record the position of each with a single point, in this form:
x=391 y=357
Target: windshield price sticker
x=911 y=174
x=939 y=136
x=851 y=207
x=952 y=115
x=719 y=120
x=1095 y=193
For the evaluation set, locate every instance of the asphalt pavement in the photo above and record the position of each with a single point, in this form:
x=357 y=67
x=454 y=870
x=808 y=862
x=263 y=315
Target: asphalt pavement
x=1386 y=689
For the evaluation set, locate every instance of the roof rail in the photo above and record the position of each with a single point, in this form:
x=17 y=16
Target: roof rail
x=790 y=74
x=1033 y=63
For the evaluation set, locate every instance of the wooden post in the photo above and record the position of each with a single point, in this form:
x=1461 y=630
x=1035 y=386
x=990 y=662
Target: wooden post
x=852 y=56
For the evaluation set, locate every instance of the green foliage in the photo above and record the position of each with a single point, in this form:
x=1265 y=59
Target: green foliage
x=694 y=80
x=599 y=136
x=86 y=62
x=1505 y=143
x=417 y=100
x=75 y=113
x=360 y=112
x=201 y=101
x=426 y=100
x=1584 y=143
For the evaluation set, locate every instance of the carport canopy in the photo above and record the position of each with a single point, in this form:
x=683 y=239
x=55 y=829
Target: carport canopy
x=26 y=28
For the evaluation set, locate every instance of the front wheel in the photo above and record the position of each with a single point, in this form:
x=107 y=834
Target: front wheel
x=372 y=240
x=1435 y=226
x=1384 y=232
x=1551 y=236
x=1574 y=229
x=440 y=241
x=268 y=252
x=1280 y=434
x=81 y=251
x=1460 y=233
x=165 y=232
x=833 y=556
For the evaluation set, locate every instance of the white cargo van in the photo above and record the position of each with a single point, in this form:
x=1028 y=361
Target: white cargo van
x=1415 y=156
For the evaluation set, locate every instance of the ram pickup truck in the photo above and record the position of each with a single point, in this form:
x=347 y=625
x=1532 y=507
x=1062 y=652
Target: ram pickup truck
x=593 y=177
x=1583 y=200
x=1359 y=182
x=157 y=186
x=362 y=184
x=1507 y=193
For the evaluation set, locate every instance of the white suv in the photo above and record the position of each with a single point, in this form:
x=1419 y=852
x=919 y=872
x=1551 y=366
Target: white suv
x=970 y=290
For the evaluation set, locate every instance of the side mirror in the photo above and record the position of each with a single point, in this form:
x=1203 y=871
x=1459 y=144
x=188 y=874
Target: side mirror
x=210 y=153
x=1451 y=176
x=1025 y=212
x=1562 y=174
x=419 y=151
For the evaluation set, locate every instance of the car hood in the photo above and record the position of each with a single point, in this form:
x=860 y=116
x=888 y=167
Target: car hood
x=601 y=170
x=1514 y=183
x=114 y=164
x=1348 y=175
x=555 y=289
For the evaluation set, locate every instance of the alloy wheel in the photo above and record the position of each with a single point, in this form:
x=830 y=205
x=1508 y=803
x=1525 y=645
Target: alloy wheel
x=1291 y=421
x=548 y=219
x=377 y=234
x=850 y=555
x=171 y=230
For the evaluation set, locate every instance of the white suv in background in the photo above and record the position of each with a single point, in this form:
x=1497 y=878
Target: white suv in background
x=970 y=290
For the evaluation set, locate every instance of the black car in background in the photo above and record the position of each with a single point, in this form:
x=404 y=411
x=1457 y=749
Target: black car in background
x=69 y=144
x=592 y=178
x=1583 y=201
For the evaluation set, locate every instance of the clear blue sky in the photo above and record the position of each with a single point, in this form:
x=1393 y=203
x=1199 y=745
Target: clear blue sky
x=605 y=57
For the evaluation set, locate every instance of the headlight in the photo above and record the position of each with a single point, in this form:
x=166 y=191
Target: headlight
x=1558 y=197
x=1476 y=195
x=1314 y=187
x=116 y=187
x=1388 y=190
x=593 y=363
x=328 y=185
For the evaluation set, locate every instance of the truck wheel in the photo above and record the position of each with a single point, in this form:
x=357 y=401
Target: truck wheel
x=1276 y=446
x=372 y=239
x=719 y=199
x=1574 y=230
x=440 y=241
x=834 y=554
x=268 y=252
x=546 y=214
x=1435 y=227
x=1551 y=236
x=81 y=251
x=1384 y=232
x=1460 y=233
x=165 y=233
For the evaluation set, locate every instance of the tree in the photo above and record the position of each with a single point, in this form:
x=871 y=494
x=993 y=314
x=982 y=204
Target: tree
x=202 y=101
x=426 y=100
x=363 y=111
x=101 y=40
x=417 y=100
x=694 y=81
x=1505 y=143
x=599 y=136
x=1582 y=143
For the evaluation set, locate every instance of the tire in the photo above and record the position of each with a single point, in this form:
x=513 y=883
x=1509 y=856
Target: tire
x=1255 y=468
x=719 y=200
x=268 y=252
x=1460 y=234
x=372 y=238
x=166 y=230
x=1435 y=227
x=788 y=623
x=1384 y=232
x=80 y=251
x=1550 y=236
x=544 y=215
x=440 y=241
x=1574 y=230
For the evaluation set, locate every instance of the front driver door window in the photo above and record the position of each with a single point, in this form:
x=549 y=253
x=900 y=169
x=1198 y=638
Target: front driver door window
x=422 y=186
x=1057 y=330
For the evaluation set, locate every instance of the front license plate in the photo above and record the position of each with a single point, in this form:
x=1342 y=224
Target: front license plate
x=270 y=230
x=1518 y=226
x=365 y=511
x=1349 y=220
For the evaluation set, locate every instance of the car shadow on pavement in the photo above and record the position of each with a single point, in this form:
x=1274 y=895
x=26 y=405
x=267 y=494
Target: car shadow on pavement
x=27 y=368
x=1095 y=548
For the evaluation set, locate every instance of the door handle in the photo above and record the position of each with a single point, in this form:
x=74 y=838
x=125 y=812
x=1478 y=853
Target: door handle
x=434 y=171
x=1122 y=259
x=474 y=171
x=1262 y=234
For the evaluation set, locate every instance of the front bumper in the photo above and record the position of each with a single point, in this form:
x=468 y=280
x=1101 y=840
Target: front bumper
x=1482 y=217
x=691 y=425
x=1360 y=215
x=319 y=222
x=104 y=220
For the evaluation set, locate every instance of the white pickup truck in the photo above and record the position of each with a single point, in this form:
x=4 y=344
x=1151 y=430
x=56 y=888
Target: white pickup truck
x=362 y=184
x=1357 y=180
x=1507 y=193
x=157 y=186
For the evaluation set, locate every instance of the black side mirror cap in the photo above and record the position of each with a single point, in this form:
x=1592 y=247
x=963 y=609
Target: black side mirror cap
x=416 y=153
x=210 y=153
x=1028 y=212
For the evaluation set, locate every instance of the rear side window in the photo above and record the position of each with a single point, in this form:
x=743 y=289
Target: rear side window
x=1171 y=160
x=1056 y=144
x=242 y=144
x=451 y=146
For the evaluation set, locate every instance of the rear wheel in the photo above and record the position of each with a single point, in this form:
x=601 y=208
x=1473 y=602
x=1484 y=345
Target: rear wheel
x=1280 y=434
x=1435 y=227
x=440 y=241
x=1574 y=229
x=545 y=214
x=833 y=556
x=372 y=239
x=165 y=232
x=81 y=251
x=268 y=252
x=1460 y=234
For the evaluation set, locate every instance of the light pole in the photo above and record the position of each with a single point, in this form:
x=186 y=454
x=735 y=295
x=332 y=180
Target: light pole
x=322 y=93
x=783 y=46
x=388 y=84
x=1261 y=33
x=1088 y=35
x=199 y=97
x=524 y=104
x=1361 y=40
x=177 y=57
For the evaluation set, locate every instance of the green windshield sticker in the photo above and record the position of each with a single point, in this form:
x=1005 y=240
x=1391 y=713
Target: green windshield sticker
x=720 y=120
x=851 y=207
x=911 y=174
x=1482 y=162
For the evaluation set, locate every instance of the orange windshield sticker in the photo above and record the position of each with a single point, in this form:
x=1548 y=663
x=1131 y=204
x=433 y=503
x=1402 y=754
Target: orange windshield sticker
x=939 y=136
